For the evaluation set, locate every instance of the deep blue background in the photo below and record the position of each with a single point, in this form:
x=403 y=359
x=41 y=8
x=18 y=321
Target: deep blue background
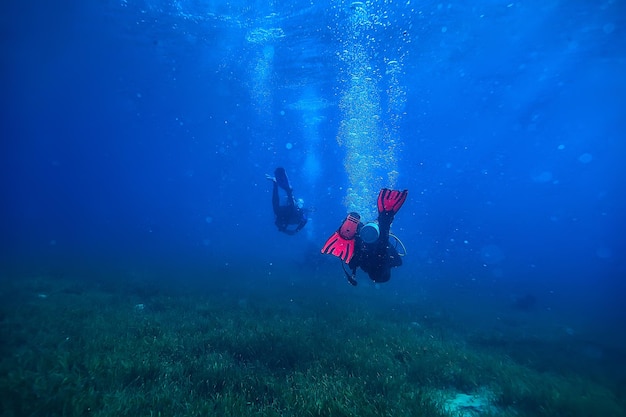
x=131 y=140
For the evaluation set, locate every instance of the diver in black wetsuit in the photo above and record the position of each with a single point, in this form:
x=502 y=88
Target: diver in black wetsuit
x=367 y=245
x=374 y=257
x=293 y=212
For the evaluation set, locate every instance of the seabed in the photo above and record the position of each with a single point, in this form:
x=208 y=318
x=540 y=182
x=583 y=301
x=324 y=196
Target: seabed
x=117 y=348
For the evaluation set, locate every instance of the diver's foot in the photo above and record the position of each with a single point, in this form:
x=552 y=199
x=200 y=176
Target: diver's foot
x=385 y=218
x=391 y=200
x=341 y=243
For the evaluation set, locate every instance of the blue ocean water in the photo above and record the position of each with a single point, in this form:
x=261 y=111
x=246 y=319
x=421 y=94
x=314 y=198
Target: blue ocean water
x=136 y=136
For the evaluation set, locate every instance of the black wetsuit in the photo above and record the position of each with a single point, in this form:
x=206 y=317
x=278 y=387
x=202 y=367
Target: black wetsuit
x=376 y=258
x=288 y=215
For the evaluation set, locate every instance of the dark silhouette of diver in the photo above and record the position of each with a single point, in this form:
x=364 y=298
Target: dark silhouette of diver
x=293 y=212
x=367 y=245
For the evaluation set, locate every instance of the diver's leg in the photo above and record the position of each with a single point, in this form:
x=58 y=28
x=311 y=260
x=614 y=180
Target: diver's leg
x=382 y=269
x=384 y=225
x=275 y=199
x=290 y=200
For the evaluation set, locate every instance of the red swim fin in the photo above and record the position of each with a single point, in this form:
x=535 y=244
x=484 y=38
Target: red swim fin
x=341 y=243
x=391 y=200
x=339 y=247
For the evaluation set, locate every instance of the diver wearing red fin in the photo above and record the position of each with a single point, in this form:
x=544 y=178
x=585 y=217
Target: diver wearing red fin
x=367 y=245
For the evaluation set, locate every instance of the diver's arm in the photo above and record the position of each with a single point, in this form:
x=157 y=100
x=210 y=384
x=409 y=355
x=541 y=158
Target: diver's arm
x=352 y=278
x=281 y=225
x=296 y=230
x=301 y=224
x=284 y=227
x=303 y=221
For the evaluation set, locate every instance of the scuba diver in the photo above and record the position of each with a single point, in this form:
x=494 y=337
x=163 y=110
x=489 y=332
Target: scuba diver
x=367 y=245
x=293 y=212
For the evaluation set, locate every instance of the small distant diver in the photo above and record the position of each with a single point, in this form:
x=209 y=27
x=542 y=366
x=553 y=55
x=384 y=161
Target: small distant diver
x=292 y=213
x=368 y=245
